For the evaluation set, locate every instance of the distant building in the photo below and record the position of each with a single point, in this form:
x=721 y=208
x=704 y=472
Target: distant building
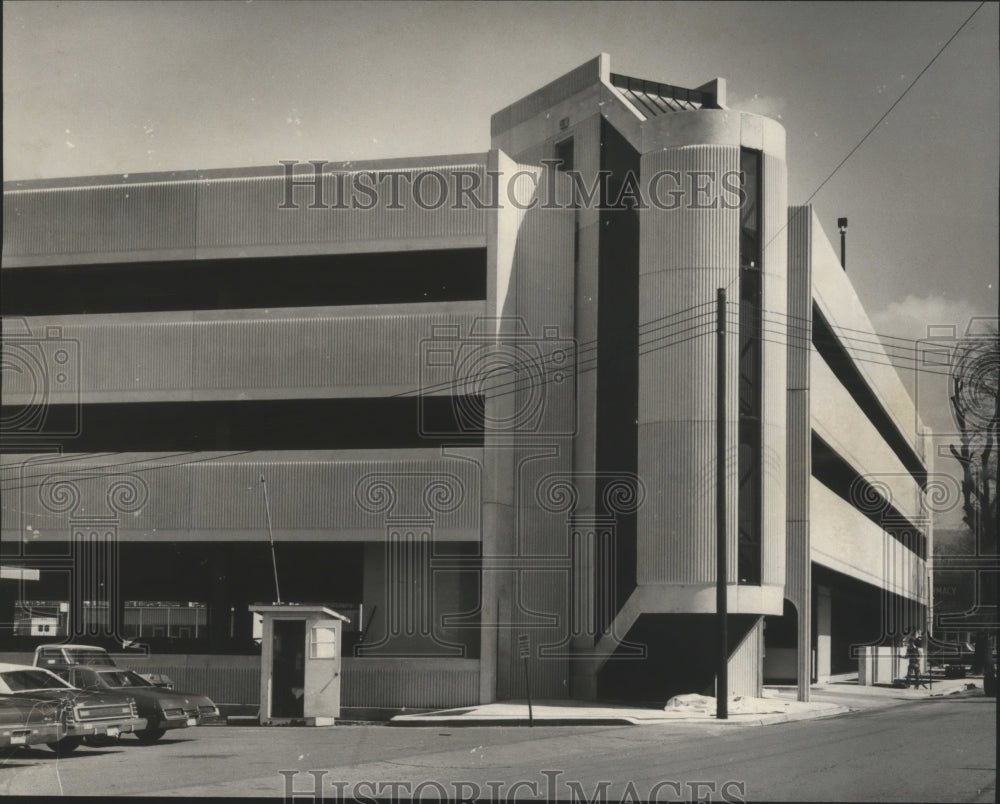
x=480 y=392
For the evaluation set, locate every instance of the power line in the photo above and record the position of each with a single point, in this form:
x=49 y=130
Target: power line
x=664 y=336
x=137 y=470
x=896 y=102
x=489 y=345
x=71 y=457
x=802 y=207
x=517 y=385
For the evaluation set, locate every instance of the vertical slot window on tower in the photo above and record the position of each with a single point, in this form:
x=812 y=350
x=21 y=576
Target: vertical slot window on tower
x=564 y=155
x=751 y=375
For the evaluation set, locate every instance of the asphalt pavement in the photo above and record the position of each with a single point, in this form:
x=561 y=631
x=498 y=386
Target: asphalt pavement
x=902 y=746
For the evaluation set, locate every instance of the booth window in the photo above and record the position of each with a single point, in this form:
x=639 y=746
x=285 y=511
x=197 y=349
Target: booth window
x=323 y=642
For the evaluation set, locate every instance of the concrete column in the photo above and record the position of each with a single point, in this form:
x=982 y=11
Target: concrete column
x=798 y=555
x=219 y=599
x=824 y=608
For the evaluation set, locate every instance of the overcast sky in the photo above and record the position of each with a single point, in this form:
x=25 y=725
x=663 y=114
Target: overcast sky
x=119 y=87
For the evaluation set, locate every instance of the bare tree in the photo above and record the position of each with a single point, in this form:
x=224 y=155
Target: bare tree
x=975 y=404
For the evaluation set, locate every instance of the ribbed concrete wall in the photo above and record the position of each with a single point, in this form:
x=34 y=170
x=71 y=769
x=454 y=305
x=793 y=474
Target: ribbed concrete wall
x=774 y=367
x=530 y=423
x=845 y=540
x=686 y=255
x=100 y=220
x=226 y=679
x=381 y=683
x=220 y=681
x=259 y=223
x=798 y=563
x=839 y=421
x=529 y=139
x=116 y=219
x=745 y=662
x=410 y=683
x=420 y=599
x=320 y=495
x=255 y=354
x=426 y=683
x=839 y=303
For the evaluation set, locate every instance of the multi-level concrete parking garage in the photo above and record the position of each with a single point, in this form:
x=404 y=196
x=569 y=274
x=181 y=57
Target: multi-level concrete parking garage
x=484 y=418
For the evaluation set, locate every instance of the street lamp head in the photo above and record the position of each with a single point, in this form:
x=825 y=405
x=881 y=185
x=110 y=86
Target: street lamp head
x=842 y=225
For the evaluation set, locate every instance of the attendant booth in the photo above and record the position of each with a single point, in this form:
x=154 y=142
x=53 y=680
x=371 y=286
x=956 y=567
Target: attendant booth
x=300 y=664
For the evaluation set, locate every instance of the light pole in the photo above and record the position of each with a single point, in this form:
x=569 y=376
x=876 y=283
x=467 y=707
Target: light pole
x=842 y=228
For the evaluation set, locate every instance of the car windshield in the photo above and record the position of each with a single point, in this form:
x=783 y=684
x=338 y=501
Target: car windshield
x=93 y=657
x=21 y=680
x=123 y=678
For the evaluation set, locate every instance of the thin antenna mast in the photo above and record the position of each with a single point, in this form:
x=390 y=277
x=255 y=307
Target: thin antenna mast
x=270 y=538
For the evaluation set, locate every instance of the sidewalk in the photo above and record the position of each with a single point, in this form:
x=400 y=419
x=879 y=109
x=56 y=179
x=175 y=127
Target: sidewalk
x=846 y=691
x=763 y=712
x=779 y=705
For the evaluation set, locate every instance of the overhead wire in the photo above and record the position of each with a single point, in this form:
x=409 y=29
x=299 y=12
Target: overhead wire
x=664 y=336
x=591 y=345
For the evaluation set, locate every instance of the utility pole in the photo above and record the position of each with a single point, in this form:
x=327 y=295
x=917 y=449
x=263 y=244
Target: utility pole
x=721 y=604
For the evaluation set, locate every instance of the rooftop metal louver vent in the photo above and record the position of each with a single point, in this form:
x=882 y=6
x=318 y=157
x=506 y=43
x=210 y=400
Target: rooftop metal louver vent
x=653 y=98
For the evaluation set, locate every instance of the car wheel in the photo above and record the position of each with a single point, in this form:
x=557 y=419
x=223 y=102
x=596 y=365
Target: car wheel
x=99 y=741
x=149 y=736
x=65 y=745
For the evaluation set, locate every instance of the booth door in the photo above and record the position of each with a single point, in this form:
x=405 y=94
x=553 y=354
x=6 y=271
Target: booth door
x=288 y=677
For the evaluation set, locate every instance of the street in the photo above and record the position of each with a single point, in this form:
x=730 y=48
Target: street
x=932 y=750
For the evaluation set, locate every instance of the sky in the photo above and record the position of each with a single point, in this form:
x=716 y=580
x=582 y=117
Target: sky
x=95 y=88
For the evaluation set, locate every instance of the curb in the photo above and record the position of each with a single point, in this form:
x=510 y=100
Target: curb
x=410 y=721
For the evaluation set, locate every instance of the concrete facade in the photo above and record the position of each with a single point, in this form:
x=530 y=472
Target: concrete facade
x=490 y=426
x=860 y=515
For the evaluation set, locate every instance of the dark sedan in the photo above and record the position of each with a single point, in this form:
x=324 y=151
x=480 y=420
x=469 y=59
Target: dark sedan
x=85 y=713
x=163 y=709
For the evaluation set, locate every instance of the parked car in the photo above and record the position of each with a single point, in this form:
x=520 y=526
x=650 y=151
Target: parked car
x=57 y=657
x=85 y=713
x=163 y=709
x=955 y=659
x=159 y=680
x=29 y=721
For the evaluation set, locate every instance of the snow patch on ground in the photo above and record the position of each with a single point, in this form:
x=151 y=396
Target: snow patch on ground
x=692 y=703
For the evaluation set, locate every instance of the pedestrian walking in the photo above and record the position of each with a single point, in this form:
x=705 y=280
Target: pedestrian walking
x=913 y=658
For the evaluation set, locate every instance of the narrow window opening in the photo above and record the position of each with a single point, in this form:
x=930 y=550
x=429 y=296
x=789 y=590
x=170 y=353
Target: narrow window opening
x=749 y=503
x=564 y=155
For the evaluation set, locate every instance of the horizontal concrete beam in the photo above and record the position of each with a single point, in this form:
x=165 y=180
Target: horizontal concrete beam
x=18 y=574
